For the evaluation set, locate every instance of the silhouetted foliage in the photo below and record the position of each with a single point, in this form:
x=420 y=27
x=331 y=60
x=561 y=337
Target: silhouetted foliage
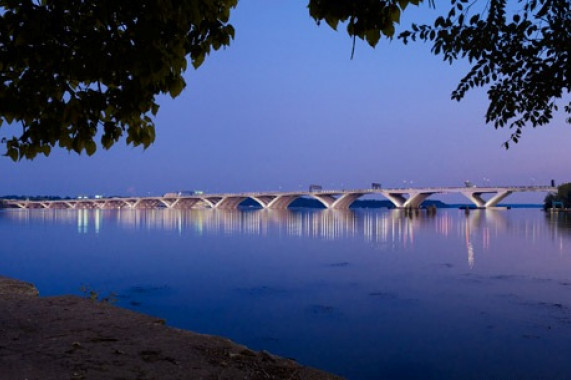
x=548 y=201
x=518 y=49
x=521 y=53
x=366 y=19
x=71 y=69
x=563 y=195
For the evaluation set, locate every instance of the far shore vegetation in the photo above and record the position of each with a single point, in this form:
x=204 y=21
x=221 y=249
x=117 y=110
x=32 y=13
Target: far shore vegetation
x=559 y=200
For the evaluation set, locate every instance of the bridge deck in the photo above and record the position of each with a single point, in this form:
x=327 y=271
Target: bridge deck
x=340 y=199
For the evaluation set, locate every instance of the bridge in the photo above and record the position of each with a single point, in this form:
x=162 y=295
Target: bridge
x=332 y=199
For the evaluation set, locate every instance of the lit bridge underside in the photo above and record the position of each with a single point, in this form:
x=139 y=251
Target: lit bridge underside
x=332 y=199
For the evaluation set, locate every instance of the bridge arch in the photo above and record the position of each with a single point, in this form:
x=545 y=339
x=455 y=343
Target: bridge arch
x=229 y=203
x=325 y=199
x=331 y=199
x=415 y=199
x=276 y=202
x=338 y=202
x=480 y=202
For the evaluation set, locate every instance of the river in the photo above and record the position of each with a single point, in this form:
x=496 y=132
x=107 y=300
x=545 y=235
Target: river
x=366 y=294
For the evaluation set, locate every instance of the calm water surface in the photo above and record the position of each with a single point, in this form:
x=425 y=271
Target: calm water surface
x=365 y=294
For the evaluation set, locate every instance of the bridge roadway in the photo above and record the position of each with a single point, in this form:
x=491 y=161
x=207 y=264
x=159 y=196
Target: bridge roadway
x=333 y=199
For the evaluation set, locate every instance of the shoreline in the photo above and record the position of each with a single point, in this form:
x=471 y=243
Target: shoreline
x=70 y=337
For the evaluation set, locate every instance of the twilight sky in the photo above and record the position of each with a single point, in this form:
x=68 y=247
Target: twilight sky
x=284 y=107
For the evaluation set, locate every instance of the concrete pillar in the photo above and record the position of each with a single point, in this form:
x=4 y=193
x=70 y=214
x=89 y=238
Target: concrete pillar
x=326 y=199
x=493 y=202
x=396 y=198
x=282 y=202
x=475 y=197
x=416 y=199
x=345 y=200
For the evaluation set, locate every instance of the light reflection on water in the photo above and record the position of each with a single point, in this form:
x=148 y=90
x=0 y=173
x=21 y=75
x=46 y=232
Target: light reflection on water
x=395 y=226
x=366 y=294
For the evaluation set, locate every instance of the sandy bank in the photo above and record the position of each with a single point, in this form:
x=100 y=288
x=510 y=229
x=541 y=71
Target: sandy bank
x=70 y=337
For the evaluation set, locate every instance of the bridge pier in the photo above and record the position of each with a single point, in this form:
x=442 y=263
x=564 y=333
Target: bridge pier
x=186 y=203
x=493 y=202
x=211 y=201
x=476 y=198
x=229 y=203
x=132 y=204
x=333 y=199
x=337 y=201
x=345 y=201
x=325 y=199
x=414 y=199
x=169 y=202
x=275 y=202
x=264 y=201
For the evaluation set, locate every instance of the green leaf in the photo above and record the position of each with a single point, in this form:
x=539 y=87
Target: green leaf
x=389 y=30
x=176 y=87
x=395 y=14
x=373 y=37
x=90 y=147
x=13 y=154
x=332 y=21
x=198 y=60
x=46 y=149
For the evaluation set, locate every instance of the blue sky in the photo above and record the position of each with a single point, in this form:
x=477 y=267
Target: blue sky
x=284 y=107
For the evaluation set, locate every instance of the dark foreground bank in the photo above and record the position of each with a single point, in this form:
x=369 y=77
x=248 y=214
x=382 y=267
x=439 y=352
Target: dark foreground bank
x=70 y=337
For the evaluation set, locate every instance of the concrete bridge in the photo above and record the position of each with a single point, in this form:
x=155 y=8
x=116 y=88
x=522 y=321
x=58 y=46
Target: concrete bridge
x=332 y=199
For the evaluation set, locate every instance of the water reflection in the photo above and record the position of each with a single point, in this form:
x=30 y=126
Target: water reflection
x=560 y=224
x=384 y=228
x=367 y=294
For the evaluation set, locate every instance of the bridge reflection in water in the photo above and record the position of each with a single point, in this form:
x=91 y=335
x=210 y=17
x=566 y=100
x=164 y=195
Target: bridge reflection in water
x=388 y=229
